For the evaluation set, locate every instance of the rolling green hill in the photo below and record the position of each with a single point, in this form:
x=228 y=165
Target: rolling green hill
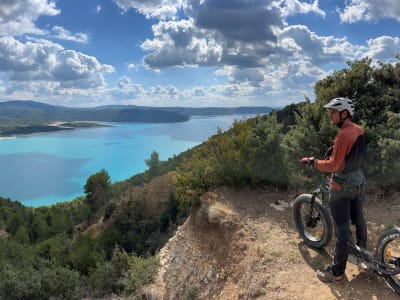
x=13 y=112
x=36 y=112
x=24 y=117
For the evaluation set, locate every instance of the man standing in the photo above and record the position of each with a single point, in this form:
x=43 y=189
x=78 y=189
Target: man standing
x=345 y=199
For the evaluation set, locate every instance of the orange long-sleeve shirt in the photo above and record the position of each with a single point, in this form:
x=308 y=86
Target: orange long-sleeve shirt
x=348 y=151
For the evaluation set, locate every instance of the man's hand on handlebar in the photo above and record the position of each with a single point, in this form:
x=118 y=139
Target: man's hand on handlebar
x=309 y=161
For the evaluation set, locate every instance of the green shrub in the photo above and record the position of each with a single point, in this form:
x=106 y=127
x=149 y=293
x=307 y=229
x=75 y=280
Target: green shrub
x=141 y=271
x=106 y=278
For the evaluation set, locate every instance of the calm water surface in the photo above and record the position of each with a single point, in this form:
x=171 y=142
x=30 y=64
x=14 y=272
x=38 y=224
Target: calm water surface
x=43 y=169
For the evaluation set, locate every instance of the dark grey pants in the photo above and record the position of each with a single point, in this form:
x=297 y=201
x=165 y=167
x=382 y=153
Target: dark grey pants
x=346 y=207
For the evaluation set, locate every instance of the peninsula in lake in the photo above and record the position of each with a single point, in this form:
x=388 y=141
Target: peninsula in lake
x=24 y=117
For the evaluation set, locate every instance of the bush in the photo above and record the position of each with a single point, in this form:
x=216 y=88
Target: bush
x=141 y=271
x=106 y=278
x=43 y=283
x=109 y=209
x=98 y=189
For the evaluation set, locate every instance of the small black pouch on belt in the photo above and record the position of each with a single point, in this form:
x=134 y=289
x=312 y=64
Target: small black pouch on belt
x=339 y=178
x=352 y=181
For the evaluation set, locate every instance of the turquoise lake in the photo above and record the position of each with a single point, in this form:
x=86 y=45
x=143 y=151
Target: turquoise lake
x=47 y=168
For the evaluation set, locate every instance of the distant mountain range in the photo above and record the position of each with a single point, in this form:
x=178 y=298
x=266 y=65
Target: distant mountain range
x=31 y=112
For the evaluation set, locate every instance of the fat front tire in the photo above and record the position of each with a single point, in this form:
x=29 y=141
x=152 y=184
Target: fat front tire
x=314 y=225
x=388 y=252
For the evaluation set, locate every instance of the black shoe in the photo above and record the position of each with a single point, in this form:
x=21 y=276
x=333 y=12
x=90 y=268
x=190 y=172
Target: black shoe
x=328 y=276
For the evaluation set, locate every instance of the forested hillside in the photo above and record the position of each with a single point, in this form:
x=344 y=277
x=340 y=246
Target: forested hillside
x=26 y=117
x=107 y=241
x=22 y=113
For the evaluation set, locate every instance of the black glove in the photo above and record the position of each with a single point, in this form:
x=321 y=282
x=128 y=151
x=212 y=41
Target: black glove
x=309 y=161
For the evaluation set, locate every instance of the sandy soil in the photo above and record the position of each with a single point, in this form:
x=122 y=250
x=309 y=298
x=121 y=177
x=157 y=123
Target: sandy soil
x=242 y=244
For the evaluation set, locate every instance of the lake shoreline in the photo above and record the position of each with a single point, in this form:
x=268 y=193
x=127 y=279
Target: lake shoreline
x=53 y=167
x=7 y=133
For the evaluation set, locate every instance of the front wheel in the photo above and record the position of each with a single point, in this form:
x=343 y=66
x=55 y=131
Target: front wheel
x=388 y=252
x=312 y=221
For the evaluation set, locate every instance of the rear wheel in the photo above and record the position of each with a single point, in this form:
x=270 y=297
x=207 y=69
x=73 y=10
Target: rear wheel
x=312 y=221
x=388 y=252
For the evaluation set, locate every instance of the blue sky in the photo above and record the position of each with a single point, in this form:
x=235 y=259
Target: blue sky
x=195 y=53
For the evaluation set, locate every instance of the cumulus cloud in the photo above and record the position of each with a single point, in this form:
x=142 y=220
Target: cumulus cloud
x=78 y=70
x=246 y=42
x=254 y=76
x=237 y=20
x=163 y=91
x=367 y=10
x=61 y=33
x=294 y=7
x=216 y=33
x=24 y=90
x=45 y=60
x=17 y=17
x=382 y=48
x=124 y=83
x=162 y=9
x=131 y=66
x=316 y=49
x=246 y=35
x=127 y=90
x=198 y=92
x=180 y=43
x=158 y=95
x=298 y=58
x=300 y=75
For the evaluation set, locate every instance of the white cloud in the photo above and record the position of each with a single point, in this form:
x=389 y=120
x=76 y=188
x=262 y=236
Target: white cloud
x=254 y=76
x=244 y=39
x=44 y=60
x=163 y=91
x=77 y=70
x=233 y=90
x=180 y=43
x=383 y=48
x=17 y=17
x=33 y=89
x=367 y=10
x=198 y=92
x=127 y=90
x=248 y=42
x=131 y=66
x=294 y=7
x=161 y=9
x=217 y=33
x=319 y=50
x=124 y=83
x=61 y=33
x=300 y=75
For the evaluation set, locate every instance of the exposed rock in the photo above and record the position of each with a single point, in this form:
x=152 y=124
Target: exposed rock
x=236 y=246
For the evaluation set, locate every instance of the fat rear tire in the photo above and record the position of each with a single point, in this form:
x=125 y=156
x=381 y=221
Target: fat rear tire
x=389 y=239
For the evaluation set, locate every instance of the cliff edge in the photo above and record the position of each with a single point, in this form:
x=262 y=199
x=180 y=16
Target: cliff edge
x=242 y=244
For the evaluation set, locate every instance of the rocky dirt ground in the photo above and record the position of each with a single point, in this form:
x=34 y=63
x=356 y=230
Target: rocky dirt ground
x=242 y=244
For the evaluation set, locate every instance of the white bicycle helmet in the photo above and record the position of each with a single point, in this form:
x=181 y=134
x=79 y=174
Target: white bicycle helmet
x=341 y=104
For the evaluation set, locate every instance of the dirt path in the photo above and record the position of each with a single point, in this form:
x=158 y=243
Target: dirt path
x=241 y=245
